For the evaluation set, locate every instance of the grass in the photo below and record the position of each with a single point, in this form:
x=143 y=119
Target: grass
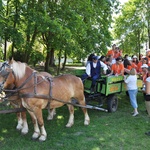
x=116 y=131
x=107 y=131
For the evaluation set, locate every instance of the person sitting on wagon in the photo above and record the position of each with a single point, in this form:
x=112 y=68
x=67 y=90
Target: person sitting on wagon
x=117 y=68
x=127 y=65
x=93 y=70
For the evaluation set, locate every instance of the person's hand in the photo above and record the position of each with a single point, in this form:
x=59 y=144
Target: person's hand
x=124 y=77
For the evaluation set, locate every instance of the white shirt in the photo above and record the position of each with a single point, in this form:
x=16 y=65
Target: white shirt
x=148 y=79
x=131 y=82
x=88 y=67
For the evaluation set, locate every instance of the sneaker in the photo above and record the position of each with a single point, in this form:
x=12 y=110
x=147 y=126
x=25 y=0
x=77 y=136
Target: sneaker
x=135 y=114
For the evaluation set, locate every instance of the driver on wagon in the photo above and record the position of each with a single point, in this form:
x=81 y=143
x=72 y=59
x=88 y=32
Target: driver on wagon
x=93 y=70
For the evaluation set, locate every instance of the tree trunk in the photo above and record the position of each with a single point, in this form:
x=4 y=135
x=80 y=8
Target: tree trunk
x=65 y=59
x=47 y=61
x=5 y=47
x=52 y=63
x=59 y=62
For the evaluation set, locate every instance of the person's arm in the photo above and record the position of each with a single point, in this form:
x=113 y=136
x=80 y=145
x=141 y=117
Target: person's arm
x=104 y=66
x=112 y=70
x=88 y=69
x=126 y=80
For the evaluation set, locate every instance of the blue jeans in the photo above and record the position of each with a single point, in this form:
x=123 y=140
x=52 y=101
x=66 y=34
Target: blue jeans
x=94 y=78
x=133 y=100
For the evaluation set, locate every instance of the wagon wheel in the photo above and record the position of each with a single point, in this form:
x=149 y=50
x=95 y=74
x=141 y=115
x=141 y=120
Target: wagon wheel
x=112 y=103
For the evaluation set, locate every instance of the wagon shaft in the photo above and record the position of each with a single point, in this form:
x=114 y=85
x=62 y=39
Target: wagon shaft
x=12 y=110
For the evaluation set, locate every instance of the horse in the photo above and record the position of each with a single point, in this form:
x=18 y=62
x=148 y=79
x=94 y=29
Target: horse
x=15 y=101
x=37 y=93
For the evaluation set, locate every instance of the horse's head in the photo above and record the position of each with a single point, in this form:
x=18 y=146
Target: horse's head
x=6 y=75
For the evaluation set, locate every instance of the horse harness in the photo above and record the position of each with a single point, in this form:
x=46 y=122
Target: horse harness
x=34 y=95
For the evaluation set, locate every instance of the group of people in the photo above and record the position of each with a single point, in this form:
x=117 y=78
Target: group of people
x=114 y=63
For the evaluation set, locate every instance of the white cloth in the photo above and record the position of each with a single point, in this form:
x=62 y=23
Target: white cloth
x=131 y=82
x=88 y=67
x=148 y=79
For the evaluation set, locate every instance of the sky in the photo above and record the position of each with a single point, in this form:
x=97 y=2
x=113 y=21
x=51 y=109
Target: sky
x=123 y=1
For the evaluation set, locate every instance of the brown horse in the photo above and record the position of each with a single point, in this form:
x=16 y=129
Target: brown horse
x=15 y=101
x=37 y=93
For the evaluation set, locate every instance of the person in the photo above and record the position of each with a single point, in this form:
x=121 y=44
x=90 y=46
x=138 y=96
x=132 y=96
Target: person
x=127 y=65
x=144 y=72
x=135 y=62
x=131 y=82
x=93 y=70
x=143 y=60
x=89 y=59
x=148 y=56
x=112 y=51
x=117 y=52
x=108 y=63
x=103 y=58
x=147 y=97
x=117 y=68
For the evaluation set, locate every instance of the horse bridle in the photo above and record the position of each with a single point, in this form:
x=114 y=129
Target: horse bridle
x=4 y=73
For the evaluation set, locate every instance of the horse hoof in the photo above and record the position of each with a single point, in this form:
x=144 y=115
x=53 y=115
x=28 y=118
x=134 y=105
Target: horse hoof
x=69 y=125
x=35 y=135
x=24 y=132
x=86 y=122
x=42 y=138
x=19 y=127
x=49 y=118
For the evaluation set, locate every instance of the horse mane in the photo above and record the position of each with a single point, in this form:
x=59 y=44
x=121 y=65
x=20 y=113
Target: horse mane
x=19 y=69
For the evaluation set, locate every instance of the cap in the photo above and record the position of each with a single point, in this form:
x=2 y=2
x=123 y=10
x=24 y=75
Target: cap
x=98 y=57
x=134 y=56
x=95 y=57
x=144 y=66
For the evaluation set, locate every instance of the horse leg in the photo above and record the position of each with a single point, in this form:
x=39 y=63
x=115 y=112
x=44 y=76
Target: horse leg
x=71 y=117
x=19 y=124
x=39 y=116
x=51 y=113
x=36 y=133
x=86 y=116
x=25 y=128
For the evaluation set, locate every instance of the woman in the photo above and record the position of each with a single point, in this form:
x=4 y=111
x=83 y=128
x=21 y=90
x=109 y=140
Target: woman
x=127 y=66
x=147 y=97
x=132 y=88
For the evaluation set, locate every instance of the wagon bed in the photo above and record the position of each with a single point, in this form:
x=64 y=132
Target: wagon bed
x=106 y=90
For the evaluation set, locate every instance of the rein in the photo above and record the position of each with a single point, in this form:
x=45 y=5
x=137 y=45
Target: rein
x=35 y=95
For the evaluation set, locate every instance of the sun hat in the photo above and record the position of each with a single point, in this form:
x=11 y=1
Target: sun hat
x=144 y=66
x=134 y=56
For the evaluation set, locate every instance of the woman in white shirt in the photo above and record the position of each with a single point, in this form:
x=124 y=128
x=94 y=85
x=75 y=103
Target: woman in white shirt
x=132 y=88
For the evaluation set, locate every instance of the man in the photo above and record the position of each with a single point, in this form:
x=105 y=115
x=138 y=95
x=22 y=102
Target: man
x=93 y=70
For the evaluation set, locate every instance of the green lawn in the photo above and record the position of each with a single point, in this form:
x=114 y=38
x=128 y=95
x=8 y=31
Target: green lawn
x=107 y=131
